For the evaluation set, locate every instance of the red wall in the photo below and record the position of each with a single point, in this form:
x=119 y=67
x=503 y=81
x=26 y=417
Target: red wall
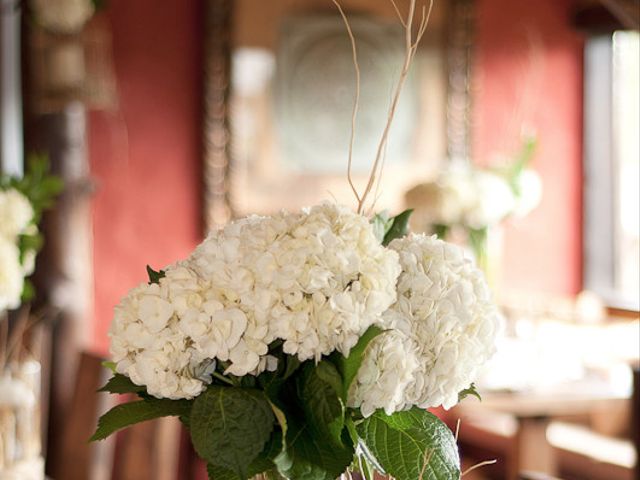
x=529 y=72
x=146 y=156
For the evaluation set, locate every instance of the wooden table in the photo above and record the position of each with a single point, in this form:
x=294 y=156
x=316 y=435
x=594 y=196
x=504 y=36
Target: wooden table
x=533 y=411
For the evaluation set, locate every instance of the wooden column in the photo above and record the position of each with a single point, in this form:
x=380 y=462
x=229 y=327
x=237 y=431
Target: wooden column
x=65 y=273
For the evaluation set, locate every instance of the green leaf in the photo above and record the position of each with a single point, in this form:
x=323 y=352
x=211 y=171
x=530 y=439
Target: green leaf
x=28 y=291
x=381 y=223
x=320 y=389
x=306 y=457
x=411 y=445
x=127 y=414
x=469 y=391
x=109 y=365
x=122 y=384
x=230 y=427
x=441 y=231
x=263 y=463
x=348 y=366
x=154 y=277
x=399 y=228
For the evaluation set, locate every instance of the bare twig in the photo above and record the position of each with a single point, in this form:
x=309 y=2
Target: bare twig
x=411 y=46
x=400 y=17
x=356 y=103
x=478 y=465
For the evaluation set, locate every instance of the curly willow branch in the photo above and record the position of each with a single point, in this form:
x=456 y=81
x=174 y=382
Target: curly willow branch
x=411 y=46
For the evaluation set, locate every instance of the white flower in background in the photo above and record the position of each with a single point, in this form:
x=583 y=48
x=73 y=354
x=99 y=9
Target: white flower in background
x=16 y=213
x=493 y=200
x=62 y=16
x=529 y=186
x=443 y=317
x=11 y=275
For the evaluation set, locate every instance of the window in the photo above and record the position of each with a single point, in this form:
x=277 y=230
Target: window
x=612 y=168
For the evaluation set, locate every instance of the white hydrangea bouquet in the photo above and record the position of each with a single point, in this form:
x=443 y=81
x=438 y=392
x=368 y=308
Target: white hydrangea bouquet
x=309 y=344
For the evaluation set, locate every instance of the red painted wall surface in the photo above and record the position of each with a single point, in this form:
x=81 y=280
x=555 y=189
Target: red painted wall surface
x=528 y=72
x=146 y=156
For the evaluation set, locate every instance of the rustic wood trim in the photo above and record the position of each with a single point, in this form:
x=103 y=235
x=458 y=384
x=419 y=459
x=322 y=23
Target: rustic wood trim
x=460 y=52
x=216 y=132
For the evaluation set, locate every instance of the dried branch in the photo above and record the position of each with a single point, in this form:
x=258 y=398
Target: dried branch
x=478 y=465
x=356 y=102
x=411 y=46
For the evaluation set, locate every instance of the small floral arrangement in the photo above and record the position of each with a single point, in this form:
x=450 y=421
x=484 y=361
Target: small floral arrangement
x=473 y=199
x=308 y=344
x=22 y=201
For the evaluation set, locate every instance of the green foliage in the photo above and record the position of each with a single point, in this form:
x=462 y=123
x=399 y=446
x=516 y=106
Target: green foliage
x=411 y=445
x=387 y=228
x=319 y=391
x=295 y=424
x=307 y=457
x=348 y=366
x=262 y=463
x=40 y=188
x=231 y=426
x=122 y=384
x=441 y=231
x=127 y=414
x=37 y=185
x=399 y=227
x=154 y=277
x=471 y=390
x=381 y=223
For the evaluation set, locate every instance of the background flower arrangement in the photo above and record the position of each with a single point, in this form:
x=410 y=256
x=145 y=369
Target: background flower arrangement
x=469 y=199
x=22 y=201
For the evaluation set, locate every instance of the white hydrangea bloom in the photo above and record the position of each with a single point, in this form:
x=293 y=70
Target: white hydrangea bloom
x=316 y=279
x=443 y=316
x=386 y=371
x=16 y=213
x=149 y=340
x=11 y=275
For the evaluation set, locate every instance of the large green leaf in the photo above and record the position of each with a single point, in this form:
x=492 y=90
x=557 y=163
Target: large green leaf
x=320 y=388
x=348 y=366
x=122 y=384
x=305 y=456
x=230 y=426
x=399 y=228
x=127 y=414
x=412 y=445
x=263 y=463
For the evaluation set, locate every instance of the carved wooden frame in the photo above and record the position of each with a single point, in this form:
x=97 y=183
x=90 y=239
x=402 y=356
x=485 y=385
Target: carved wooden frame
x=217 y=70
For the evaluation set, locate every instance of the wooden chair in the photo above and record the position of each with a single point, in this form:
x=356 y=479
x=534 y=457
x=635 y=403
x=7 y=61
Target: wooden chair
x=72 y=457
x=146 y=451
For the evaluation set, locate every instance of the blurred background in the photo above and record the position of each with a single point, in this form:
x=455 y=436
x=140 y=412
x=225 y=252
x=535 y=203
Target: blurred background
x=516 y=136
